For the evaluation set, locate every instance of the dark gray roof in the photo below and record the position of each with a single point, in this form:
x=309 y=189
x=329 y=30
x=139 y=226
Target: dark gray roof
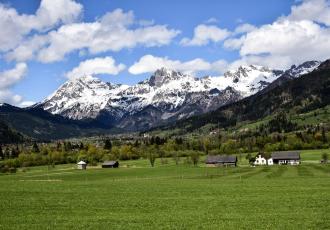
x=287 y=155
x=220 y=159
x=109 y=162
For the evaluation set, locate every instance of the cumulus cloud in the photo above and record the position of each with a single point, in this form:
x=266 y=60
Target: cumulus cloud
x=6 y=96
x=234 y=43
x=313 y=10
x=106 y=65
x=244 y=28
x=302 y=35
x=114 y=31
x=9 y=78
x=150 y=63
x=49 y=14
x=204 y=34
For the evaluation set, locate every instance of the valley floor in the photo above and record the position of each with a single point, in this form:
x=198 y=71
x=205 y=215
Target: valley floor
x=167 y=197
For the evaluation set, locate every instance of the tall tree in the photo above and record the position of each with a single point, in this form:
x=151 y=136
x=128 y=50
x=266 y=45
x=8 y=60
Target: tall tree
x=81 y=146
x=107 y=144
x=35 y=148
x=194 y=157
x=1 y=153
x=14 y=152
x=324 y=137
x=152 y=158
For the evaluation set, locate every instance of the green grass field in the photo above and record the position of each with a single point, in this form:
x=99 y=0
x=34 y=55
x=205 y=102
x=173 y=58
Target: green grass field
x=168 y=197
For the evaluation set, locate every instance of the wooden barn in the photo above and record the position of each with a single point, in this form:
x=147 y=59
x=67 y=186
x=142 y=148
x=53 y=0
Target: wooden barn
x=221 y=160
x=110 y=164
x=286 y=158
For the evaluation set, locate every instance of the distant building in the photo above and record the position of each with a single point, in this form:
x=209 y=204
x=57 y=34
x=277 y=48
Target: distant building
x=286 y=158
x=110 y=164
x=221 y=160
x=81 y=165
x=260 y=160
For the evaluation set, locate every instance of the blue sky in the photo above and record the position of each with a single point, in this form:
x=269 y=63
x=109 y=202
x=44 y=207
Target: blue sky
x=219 y=46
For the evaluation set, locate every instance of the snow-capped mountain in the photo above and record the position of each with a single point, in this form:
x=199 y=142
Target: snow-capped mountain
x=304 y=68
x=166 y=96
x=81 y=98
x=251 y=79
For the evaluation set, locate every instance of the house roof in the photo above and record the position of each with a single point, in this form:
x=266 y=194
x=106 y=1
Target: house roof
x=109 y=162
x=288 y=155
x=81 y=163
x=220 y=159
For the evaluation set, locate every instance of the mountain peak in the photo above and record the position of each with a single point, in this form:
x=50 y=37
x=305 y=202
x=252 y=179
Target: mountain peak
x=306 y=67
x=164 y=75
x=85 y=78
x=246 y=71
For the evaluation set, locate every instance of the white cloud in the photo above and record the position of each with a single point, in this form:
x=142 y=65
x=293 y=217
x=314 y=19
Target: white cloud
x=114 y=31
x=6 y=96
x=9 y=78
x=295 y=41
x=149 y=63
x=49 y=14
x=313 y=10
x=106 y=65
x=289 y=40
x=27 y=49
x=234 y=43
x=204 y=34
x=211 y=20
x=25 y=103
x=244 y=28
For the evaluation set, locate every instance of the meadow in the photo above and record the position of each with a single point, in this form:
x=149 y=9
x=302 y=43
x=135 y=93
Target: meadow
x=168 y=196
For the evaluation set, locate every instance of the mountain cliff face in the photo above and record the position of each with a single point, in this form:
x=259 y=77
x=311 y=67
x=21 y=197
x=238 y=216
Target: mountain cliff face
x=166 y=96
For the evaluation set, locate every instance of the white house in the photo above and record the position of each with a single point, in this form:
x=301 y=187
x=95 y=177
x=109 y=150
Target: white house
x=81 y=165
x=263 y=161
x=270 y=161
x=260 y=160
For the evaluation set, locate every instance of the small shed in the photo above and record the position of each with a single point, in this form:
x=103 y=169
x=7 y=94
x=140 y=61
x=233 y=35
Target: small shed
x=110 y=164
x=82 y=165
x=221 y=160
x=286 y=158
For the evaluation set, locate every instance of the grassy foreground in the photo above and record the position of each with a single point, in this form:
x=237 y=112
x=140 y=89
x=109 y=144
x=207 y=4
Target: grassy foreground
x=167 y=197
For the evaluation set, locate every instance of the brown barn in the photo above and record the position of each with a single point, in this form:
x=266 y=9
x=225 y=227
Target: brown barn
x=221 y=160
x=286 y=158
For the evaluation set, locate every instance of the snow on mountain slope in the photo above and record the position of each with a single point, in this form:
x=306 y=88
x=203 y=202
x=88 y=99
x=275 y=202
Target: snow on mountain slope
x=167 y=94
x=81 y=98
x=251 y=79
x=304 y=68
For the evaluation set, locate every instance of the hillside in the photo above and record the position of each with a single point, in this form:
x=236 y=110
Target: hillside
x=309 y=92
x=41 y=125
x=7 y=135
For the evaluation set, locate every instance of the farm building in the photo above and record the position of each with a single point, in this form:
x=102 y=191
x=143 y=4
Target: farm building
x=81 y=165
x=260 y=160
x=221 y=160
x=286 y=158
x=110 y=164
